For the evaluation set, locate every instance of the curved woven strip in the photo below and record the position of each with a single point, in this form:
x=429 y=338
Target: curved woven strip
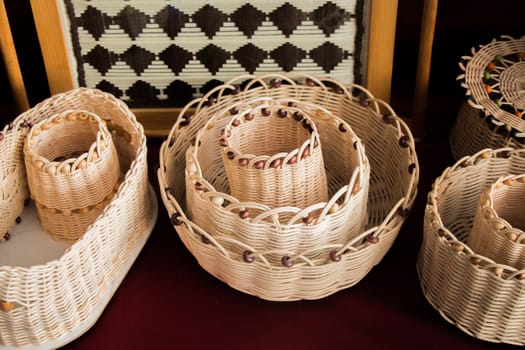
x=482 y=297
x=13 y=183
x=272 y=155
x=393 y=179
x=73 y=171
x=74 y=283
x=499 y=223
x=291 y=229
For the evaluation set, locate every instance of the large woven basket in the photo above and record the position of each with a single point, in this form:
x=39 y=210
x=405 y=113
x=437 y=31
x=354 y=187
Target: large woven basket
x=50 y=304
x=499 y=223
x=482 y=297
x=277 y=231
x=72 y=170
x=324 y=269
x=492 y=116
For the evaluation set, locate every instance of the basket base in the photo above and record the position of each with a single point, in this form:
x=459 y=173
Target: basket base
x=52 y=249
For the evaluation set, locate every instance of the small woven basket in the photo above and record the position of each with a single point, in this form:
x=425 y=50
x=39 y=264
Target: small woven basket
x=289 y=229
x=73 y=171
x=49 y=302
x=492 y=116
x=499 y=222
x=323 y=269
x=13 y=184
x=272 y=155
x=481 y=296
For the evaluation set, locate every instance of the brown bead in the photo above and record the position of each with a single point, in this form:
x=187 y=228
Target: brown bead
x=230 y=155
x=259 y=164
x=372 y=239
x=306 y=153
x=308 y=219
x=293 y=159
x=199 y=186
x=186 y=121
x=298 y=116
x=249 y=116
x=286 y=261
x=342 y=127
x=411 y=168
x=403 y=212
x=243 y=161
x=334 y=256
x=276 y=163
x=236 y=122
x=309 y=82
x=234 y=110
x=281 y=113
x=265 y=112
x=175 y=219
x=248 y=257
x=275 y=83
x=205 y=239
x=18 y=219
x=389 y=119
x=223 y=143
x=404 y=141
x=244 y=214
x=7 y=236
x=1 y=136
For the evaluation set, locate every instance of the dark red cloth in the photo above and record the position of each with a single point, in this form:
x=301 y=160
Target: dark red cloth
x=168 y=301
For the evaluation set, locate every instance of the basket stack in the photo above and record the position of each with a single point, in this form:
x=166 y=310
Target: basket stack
x=289 y=187
x=493 y=114
x=470 y=262
x=51 y=304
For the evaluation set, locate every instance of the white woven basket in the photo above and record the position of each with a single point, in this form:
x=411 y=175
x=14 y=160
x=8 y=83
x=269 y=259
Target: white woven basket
x=72 y=170
x=290 y=229
x=499 y=223
x=325 y=269
x=492 y=116
x=482 y=297
x=77 y=283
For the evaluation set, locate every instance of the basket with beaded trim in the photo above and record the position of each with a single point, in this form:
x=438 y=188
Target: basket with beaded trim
x=81 y=280
x=394 y=174
x=293 y=227
x=72 y=170
x=499 y=224
x=493 y=114
x=483 y=297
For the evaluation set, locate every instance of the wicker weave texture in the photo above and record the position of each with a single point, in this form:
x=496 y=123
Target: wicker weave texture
x=483 y=297
x=492 y=78
x=35 y=312
x=285 y=274
x=498 y=229
x=73 y=171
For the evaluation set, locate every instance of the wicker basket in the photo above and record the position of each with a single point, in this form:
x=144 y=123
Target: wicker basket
x=73 y=171
x=499 y=223
x=492 y=116
x=290 y=229
x=482 y=297
x=272 y=155
x=79 y=282
x=13 y=185
x=324 y=269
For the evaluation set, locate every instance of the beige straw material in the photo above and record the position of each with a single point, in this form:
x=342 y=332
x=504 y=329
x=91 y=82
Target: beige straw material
x=13 y=183
x=293 y=229
x=493 y=116
x=272 y=155
x=73 y=171
x=283 y=274
x=48 y=301
x=499 y=223
x=481 y=296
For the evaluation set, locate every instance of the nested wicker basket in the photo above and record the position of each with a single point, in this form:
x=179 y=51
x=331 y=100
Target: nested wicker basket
x=72 y=170
x=483 y=297
x=492 y=116
x=50 y=304
x=499 y=223
x=323 y=269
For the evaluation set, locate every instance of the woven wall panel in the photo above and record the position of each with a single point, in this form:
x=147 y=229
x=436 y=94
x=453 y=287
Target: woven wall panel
x=165 y=53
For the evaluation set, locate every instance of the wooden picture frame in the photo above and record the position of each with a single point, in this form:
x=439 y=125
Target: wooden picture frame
x=158 y=121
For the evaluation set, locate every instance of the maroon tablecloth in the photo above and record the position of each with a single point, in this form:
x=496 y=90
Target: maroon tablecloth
x=168 y=301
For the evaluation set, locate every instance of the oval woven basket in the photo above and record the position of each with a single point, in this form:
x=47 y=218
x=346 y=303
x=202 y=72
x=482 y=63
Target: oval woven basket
x=493 y=114
x=480 y=296
x=33 y=312
x=499 y=223
x=291 y=229
x=72 y=170
x=394 y=173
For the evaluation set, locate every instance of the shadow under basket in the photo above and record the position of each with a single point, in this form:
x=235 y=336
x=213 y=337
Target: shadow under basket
x=49 y=303
x=482 y=297
x=284 y=273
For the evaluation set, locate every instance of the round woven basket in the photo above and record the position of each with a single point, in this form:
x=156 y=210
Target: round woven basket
x=499 y=222
x=275 y=232
x=33 y=312
x=324 y=269
x=73 y=171
x=483 y=297
x=272 y=155
x=492 y=116
x=13 y=184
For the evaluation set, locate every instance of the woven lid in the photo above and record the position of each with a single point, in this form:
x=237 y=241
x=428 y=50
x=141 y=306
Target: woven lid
x=494 y=77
